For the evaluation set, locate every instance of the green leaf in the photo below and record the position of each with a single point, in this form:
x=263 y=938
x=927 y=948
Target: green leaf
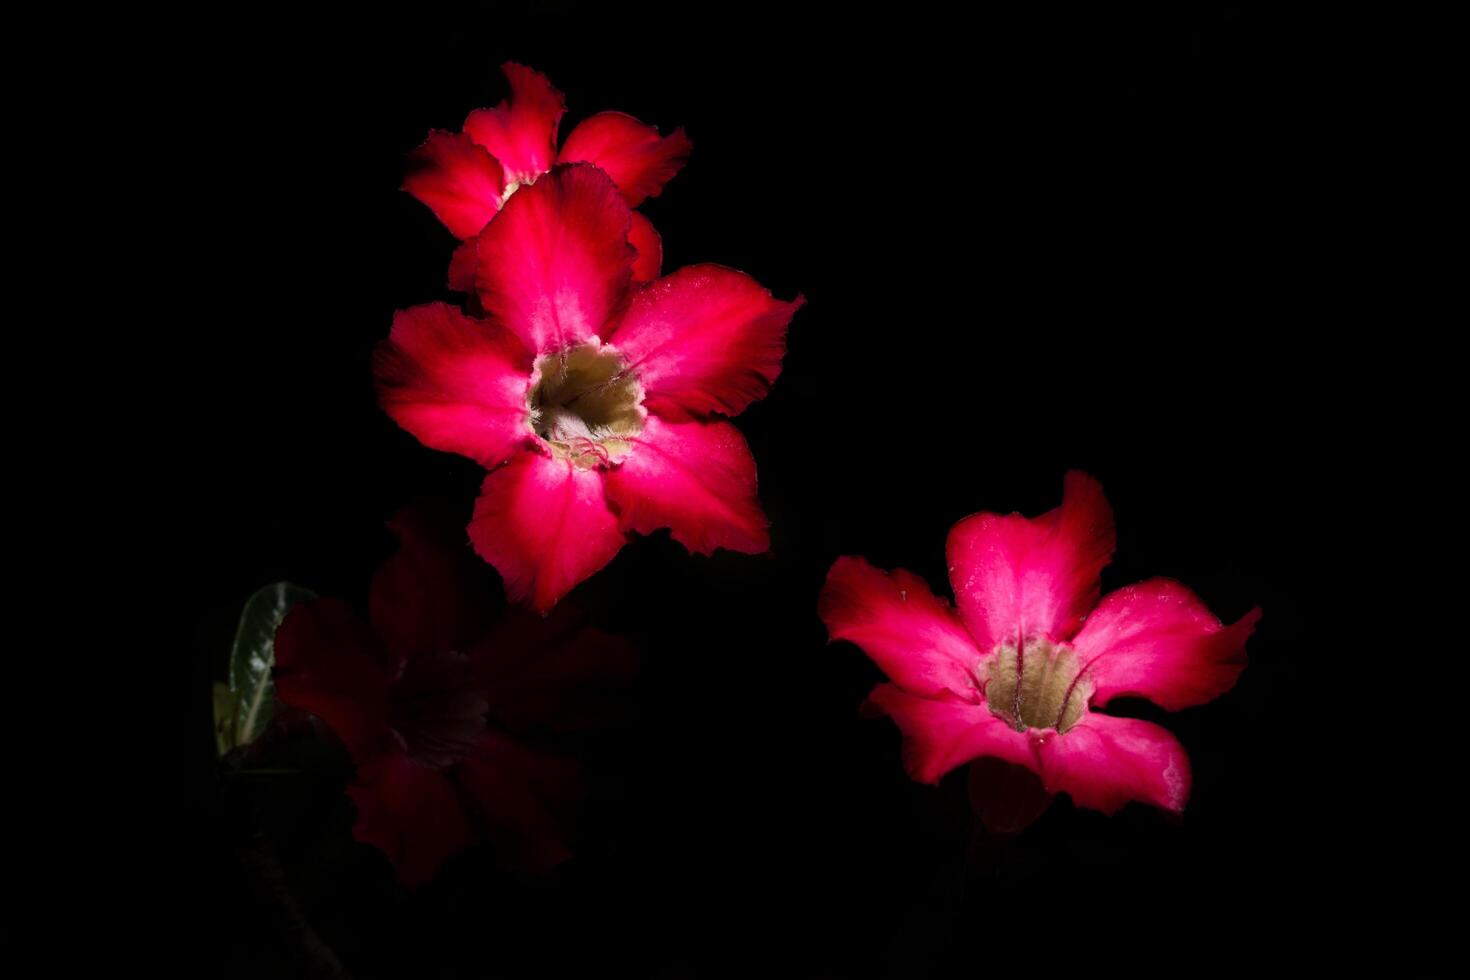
x=253 y=656
x=225 y=703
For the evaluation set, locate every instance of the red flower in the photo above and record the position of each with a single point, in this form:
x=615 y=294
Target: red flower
x=590 y=400
x=465 y=178
x=451 y=720
x=1017 y=674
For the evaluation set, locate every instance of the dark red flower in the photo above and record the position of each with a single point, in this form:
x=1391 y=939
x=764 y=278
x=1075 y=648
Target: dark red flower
x=591 y=400
x=465 y=178
x=1017 y=674
x=450 y=713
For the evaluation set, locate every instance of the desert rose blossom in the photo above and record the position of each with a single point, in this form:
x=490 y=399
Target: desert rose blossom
x=591 y=400
x=456 y=718
x=466 y=177
x=1018 y=673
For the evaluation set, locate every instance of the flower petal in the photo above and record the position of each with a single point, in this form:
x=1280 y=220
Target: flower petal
x=520 y=132
x=523 y=798
x=545 y=525
x=422 y=600
x=695 y=478
x=411 y=813
x=940 y=734
x=915 y=638
x=638 y=160
x=459 y=181
x=1034 y=575
x=555 y=263
x=1157 y=640
x=1104 y=761
x=553 y=673
x=329 y=663
x=456 y=383
x=650 y=248
x=704 y=339
x=462 y=265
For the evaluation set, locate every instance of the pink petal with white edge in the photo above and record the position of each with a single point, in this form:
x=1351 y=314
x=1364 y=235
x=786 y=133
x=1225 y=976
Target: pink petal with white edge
x=459 y=181
x=940 y=734
x=411 y=813
x=650 y=247
x=1036 y=576
x=456 y=383
x=638 y=160
x=520 y=132
x=1157 y=640
x=915 y=638
x=556 y=263
x=1103 y=762
x=695 y=478
x=545 y=526
x=704 y=339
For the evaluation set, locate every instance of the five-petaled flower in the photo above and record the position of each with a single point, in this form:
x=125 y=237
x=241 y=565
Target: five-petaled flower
x=465 y=178
x=460 y=724
x=1017 y=674
x=591 y=399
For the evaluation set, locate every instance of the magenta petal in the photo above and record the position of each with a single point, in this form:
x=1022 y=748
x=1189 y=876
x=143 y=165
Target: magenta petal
x=329 y=663
x=462 y=266
x=1103 y=761
x=411 y=813
x=555 y=263
x=420 y=601
x=632 y=153
x=456 y=383
x=915 y=638
x=939 y=735
x=523 y=799
x=650 y=247
x=704 y=339
x=1036 y=576
x=520 y=132
x=545 y=525
x=1157 y=640
x=695 y=478
x=459 y=181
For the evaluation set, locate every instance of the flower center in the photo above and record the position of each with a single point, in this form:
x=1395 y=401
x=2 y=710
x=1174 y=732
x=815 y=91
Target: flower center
x=1037 y=684
x=585 y=404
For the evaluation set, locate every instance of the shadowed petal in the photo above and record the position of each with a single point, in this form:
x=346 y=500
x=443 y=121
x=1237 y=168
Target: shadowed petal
x=329 y=663
x=462 y=267
x=698 y=480
x=638 y=160
x=915 y=638
x=704 y=339
x=1157 y=640
x=456 y=383
x=650 y=247
x=556 y=263
x=939 y=735
x=1102 y=762
x=523 y=799
x=520 y=132
x=411 y=813
x=1036 y=576
x=459 y=181
x=545 y=525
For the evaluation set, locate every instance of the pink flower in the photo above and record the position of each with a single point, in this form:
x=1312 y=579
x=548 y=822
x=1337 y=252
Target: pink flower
x=592 y=401
x=455 y=721
x=1017 y=674
x=465 y=178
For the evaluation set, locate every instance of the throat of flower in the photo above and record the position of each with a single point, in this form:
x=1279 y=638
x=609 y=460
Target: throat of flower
x=1036 y=683
x=586 y=404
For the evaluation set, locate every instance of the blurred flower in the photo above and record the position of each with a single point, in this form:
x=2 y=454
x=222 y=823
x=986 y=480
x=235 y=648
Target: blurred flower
x=450 y=713
x=590 y=400
x=465 y=178
x=1017 y=674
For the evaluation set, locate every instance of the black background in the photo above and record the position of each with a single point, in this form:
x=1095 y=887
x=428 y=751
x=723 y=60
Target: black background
x=1026 y=247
